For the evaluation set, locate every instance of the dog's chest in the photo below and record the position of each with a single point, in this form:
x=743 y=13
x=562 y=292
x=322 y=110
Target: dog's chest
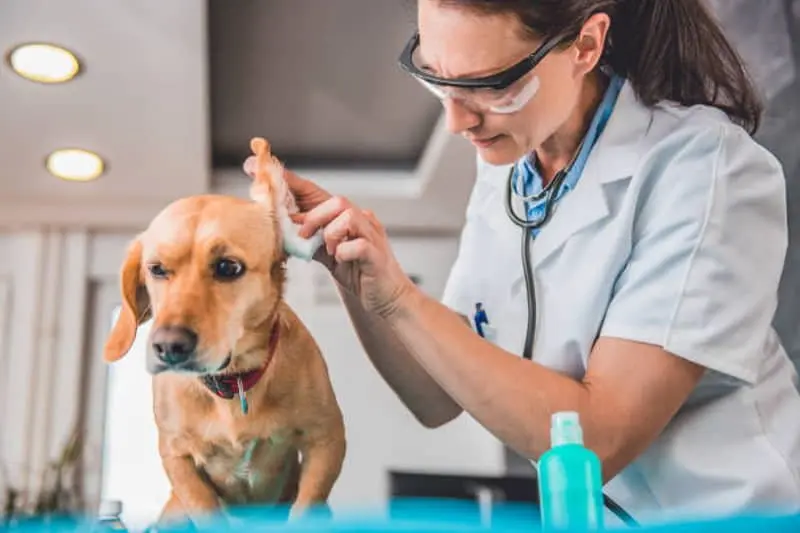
x=250 y=467
x=243 y=468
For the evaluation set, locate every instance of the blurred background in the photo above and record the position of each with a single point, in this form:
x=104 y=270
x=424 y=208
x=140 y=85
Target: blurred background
x=168 y=95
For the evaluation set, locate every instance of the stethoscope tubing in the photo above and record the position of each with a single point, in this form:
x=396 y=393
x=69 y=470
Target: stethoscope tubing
x=549 y=194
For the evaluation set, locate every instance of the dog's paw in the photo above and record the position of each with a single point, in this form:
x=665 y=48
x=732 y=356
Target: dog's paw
x=297 y=512
x=302 y=511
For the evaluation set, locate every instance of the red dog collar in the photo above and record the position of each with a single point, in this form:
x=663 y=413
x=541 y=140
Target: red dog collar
x=227 y=385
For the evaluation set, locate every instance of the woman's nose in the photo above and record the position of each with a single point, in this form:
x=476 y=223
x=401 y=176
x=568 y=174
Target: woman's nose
x=459 y=118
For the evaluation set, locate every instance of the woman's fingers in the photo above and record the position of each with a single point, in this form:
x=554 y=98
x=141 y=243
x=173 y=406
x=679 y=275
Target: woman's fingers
x=374 y=222
x=296 y=183
x=356 y=250
x=323 y=214
x=305 y=191
x=349 y=233
x=350 y=224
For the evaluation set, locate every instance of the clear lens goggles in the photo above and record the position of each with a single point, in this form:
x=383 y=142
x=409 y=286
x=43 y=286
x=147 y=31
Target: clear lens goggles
x=503 y=101
x=505 y=92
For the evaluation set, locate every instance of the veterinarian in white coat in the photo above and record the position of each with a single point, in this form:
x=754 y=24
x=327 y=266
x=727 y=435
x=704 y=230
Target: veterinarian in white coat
x=655 y=276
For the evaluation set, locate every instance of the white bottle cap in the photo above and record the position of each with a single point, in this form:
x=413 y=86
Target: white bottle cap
x=565 y=428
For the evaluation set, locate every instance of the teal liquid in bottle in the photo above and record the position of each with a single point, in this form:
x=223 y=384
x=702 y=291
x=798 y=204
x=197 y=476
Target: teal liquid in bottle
x=570 y=479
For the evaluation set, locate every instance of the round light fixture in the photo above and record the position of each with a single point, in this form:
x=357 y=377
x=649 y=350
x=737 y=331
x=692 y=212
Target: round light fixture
x=44 y=63
x=75 y=164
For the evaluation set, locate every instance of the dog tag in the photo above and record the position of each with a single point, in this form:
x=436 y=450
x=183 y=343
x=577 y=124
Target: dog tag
x=242 y=396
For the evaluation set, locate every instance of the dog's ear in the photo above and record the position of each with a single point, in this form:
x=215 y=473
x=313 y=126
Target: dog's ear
x=269 y=187
x=278 y=271
x=135 y=305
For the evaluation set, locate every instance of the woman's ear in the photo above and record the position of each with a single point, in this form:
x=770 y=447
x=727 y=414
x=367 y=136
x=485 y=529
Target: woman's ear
x=135 y=305
x=591 y=41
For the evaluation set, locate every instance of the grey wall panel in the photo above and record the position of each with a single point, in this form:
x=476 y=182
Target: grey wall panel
x=781 y=135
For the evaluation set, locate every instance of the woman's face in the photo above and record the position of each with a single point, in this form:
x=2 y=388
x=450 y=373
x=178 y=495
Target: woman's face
x=461 y=43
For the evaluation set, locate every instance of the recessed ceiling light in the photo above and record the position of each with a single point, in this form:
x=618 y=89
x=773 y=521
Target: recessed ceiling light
x=74 y=164
x=44 y=63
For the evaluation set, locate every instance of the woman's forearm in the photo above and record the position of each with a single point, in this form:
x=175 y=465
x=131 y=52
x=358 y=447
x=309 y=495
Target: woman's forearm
x=512 y=397
x=429 y=403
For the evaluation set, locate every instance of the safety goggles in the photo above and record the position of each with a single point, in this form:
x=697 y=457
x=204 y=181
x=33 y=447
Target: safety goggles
x=505 y=92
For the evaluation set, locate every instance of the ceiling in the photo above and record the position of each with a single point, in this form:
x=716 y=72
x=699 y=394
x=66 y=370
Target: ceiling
x=173 y=91
x=141 y=103
x=319 y=79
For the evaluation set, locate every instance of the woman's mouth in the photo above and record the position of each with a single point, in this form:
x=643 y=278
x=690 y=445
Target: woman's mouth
x=486 y=142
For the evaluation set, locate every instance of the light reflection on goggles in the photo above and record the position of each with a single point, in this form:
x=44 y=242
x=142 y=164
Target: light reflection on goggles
x=503 y=101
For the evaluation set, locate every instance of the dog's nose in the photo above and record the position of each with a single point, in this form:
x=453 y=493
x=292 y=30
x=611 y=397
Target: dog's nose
x=174 y=344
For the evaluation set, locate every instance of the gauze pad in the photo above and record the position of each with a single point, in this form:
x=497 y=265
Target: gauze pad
x=270 y=188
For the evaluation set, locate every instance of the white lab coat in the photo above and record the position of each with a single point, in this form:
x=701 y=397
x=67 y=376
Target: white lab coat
x=675 y=235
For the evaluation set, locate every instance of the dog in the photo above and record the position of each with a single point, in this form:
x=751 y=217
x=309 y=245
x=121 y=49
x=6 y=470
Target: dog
x=242 y=399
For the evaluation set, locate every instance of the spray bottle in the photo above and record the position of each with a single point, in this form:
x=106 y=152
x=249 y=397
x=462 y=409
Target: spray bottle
x=570 y=479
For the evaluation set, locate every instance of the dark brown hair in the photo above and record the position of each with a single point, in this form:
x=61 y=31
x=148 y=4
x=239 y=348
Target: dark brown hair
x=668 y=49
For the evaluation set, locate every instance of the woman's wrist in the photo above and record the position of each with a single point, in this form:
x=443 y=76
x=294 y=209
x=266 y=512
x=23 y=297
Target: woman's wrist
x=406 y=301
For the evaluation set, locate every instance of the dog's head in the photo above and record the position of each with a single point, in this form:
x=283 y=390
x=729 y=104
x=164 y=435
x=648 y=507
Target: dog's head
x=209 y=270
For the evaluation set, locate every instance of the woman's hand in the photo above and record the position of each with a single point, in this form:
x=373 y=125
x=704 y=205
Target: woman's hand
x=359 y=255
x=356 y=248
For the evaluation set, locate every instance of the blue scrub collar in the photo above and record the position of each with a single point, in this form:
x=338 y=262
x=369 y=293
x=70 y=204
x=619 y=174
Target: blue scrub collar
x=529 y=176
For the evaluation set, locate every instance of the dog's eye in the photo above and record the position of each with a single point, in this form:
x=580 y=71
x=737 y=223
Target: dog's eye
x=157 y=270
x=228 y=269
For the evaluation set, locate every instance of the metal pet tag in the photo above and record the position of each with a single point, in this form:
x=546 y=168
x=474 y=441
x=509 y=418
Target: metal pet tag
x=242 y=396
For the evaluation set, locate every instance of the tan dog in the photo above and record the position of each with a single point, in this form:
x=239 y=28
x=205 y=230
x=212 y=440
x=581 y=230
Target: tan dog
x=240 y=387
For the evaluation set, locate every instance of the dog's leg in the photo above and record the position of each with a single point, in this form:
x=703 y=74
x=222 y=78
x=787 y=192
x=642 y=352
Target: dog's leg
x=197 y=500
x=173 y=511
x=322 y=463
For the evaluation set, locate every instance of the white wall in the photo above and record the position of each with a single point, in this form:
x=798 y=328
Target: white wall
x=382 y=434
x=43 y=277
x=79 y=288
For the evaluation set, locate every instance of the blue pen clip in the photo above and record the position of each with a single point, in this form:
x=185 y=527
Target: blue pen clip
x=480 y=318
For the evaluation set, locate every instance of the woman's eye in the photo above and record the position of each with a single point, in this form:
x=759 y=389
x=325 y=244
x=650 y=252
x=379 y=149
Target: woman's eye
x=157 y=270
x=228 y=269
x=491 y=95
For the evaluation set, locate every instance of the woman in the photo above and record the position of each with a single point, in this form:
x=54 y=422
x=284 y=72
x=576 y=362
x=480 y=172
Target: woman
x=656 y=274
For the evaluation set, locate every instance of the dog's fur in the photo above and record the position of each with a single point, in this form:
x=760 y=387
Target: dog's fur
x=213 y=454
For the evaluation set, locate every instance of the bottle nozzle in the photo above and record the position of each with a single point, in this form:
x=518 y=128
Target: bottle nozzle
x=565 y=428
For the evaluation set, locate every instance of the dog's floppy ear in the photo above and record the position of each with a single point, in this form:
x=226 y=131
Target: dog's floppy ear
x=267 y=175
x=135 y=305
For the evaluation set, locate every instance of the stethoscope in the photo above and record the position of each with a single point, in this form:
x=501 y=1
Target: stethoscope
x=549 y=194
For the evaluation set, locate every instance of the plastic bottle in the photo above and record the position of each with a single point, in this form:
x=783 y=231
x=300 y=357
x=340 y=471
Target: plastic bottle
x=570 y=479
x=109 y=516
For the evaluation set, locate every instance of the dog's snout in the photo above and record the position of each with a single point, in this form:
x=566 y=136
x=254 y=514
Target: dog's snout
x=174 y=344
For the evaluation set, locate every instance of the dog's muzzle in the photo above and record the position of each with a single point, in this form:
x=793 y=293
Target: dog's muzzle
x=174 y=347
